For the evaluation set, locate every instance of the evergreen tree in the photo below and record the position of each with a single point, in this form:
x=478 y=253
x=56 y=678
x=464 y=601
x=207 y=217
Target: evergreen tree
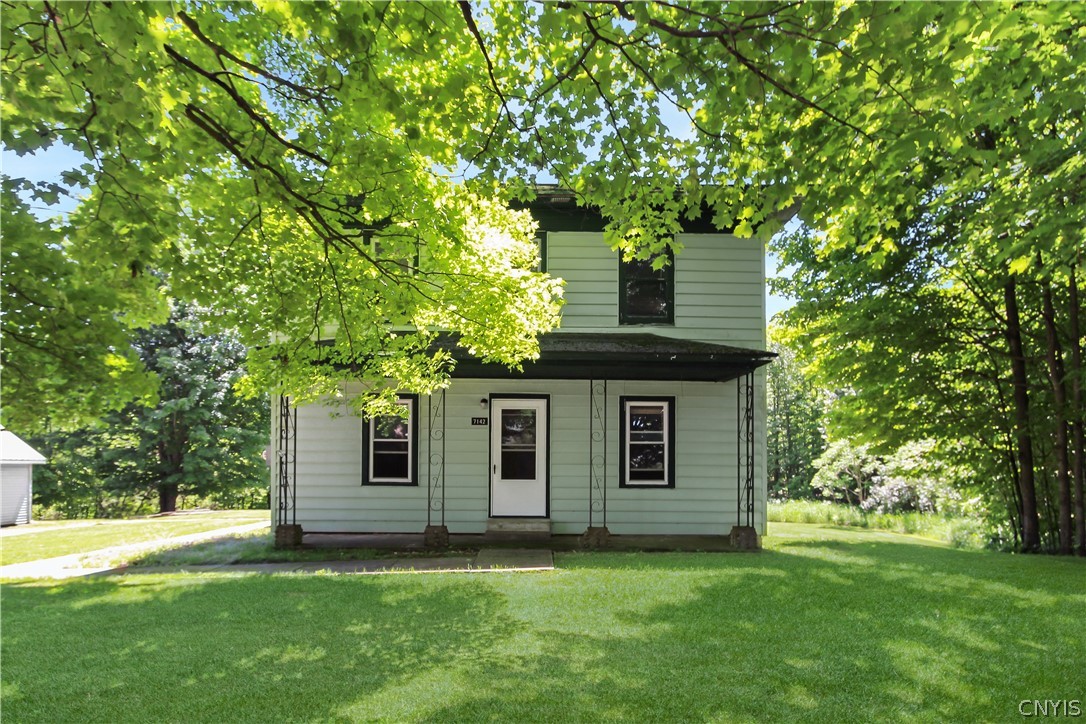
x=200 y=437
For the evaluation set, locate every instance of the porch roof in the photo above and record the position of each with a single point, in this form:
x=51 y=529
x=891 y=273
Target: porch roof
x=616 y=356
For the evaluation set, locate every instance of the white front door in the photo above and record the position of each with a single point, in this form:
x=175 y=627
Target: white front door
x=518 y=457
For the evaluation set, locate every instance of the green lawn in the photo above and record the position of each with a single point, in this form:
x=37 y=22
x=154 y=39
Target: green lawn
x=825 y=625
x=30 y=543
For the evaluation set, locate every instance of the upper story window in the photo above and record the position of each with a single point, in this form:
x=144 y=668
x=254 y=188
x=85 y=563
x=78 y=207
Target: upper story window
x=390 y=446
x=397 y=253
x=646 y=295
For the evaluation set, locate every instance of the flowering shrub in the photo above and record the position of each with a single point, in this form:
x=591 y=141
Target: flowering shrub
x=911 y=479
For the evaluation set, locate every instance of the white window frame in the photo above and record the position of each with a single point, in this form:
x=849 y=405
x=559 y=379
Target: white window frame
x=371 y=438
x=666 y=410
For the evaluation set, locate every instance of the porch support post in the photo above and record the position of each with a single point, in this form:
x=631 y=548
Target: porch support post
x=288 y=534
x=597 y=536
x=750 y=449
x=437 y=533
x=743 y=534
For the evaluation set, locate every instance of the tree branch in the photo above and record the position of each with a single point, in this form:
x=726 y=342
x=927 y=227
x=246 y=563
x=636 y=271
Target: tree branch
x=304 y=91
x=244 y=106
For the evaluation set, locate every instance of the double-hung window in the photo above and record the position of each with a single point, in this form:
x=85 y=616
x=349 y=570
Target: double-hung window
x=390 y=446
x=397 y=253
x=648 y=442
x=646 y=295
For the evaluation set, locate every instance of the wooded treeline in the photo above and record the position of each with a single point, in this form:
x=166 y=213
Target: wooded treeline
x=795 y=430
x=944 y=341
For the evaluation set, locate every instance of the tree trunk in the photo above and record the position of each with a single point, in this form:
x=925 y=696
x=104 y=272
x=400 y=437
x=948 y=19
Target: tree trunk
x=171 y=456
x=1047 y=510
x=167 y=498
x=1078 y=415
x=1031 y=541
x=1013 y=496
x=1054 y=357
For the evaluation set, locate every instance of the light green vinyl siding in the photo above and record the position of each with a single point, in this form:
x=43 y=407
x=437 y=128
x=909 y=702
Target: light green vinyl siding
x=590 y=270
x=330 y=496
x=719 y=287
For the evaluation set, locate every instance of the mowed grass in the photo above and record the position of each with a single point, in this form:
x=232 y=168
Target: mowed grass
x=30 y=543
x=825 y=625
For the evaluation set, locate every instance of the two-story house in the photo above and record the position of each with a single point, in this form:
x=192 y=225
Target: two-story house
x=643 y=415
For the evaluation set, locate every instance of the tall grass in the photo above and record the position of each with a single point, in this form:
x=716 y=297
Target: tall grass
x=957 y=531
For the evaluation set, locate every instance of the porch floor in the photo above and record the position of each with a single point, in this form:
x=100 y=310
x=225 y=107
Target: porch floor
x=460 y=541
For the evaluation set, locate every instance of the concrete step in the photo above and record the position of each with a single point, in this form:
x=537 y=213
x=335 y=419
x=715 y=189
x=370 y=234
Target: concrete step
x=518 y=528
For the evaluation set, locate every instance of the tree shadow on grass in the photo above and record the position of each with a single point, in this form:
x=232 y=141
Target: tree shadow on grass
x=812 y=632
x=243 y=648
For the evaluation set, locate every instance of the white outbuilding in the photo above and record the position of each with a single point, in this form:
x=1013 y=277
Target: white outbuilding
x=17 y=461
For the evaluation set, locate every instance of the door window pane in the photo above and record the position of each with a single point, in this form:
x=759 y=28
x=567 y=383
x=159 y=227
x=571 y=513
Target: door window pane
x=518 y=464
x=518 y=453
x=518 y=427
x=541 y=249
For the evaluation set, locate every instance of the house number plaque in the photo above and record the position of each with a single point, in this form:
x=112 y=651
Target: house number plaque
x=480 y=421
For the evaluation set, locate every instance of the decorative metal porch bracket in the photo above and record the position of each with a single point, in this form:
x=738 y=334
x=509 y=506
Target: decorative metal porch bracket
x=287 y=451
x=750 y=449
x=436 y=457
x=744 y=449
x=597 y=451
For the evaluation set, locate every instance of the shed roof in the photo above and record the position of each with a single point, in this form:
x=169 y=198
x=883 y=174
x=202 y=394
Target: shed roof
x=14 y=450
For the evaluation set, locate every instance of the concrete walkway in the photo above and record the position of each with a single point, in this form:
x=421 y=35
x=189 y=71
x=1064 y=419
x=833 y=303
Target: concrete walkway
x=72 y=566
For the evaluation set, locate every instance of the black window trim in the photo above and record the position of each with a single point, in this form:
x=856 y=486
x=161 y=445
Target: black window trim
x=412 y=401
x=624 y=317
x=624 y=452
x=541 y=245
